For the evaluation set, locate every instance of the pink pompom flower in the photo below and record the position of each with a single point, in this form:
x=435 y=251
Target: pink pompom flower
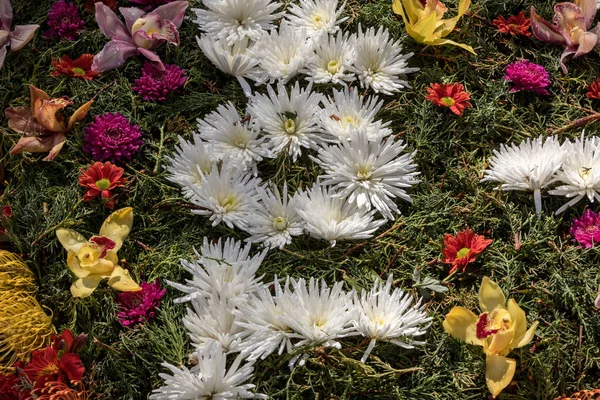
x=140 y=307
x=527 y=76
x=155 y=84
x=64 y=21
x=586 y=229
x=111 y=137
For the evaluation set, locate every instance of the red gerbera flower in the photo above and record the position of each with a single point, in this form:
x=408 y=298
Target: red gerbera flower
x=594 y=90
x=80 y=68
x=101 y=179
x=450 y=95
x=462 y=249
x=515 y=25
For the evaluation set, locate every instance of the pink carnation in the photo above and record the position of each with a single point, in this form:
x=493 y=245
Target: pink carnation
x=156 y=85
x=139 y=307
x=64 y=21
x=111 y=137
x=526 y=75
x=586 y=230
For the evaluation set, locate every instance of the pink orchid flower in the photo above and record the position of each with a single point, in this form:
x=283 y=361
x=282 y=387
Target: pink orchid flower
x=571 y=28
x=18 y=38
x=142 y=33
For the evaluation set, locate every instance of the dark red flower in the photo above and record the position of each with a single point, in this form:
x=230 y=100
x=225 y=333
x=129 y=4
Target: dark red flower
x=6 y=213
x=515 y=25
x=462 y=249
x=450 y=95
x=80 y=68
x=91 y=4
x=101 y=179
x=594 y=90
x=12 y=386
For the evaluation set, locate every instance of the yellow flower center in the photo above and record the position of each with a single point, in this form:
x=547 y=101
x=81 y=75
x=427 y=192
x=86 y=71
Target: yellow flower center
x=290 y=126
x=78 y=71
x=280 y=223
x=585 y=172
x=318 y=21
x=229 y=203
x=333 y=67
x=364 y=172
x=447 y=101
x=50 y=369
x=464 y=252
x=103 y=184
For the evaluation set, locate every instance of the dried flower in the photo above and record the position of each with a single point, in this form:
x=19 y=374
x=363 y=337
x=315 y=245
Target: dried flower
x=155 y=84
x=112 y=137
x=586 y=229
x=139 y=307
x=101 y=179
x=80 y=68
x=594 y=90
x=515 y=25
x=16 y=39
x=64 y=21
x=526 y=75
x=450 y=95
x=461 y=249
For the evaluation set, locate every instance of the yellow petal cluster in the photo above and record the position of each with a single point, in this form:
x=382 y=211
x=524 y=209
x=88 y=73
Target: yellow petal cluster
x=95 y=260
x=15 y=276
x=425 y=22
x=501 y=327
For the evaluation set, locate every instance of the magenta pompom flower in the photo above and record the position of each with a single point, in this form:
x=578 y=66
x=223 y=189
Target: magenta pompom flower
x=586 y=229
x=139 y=307
x=156 y=85
x=111 y=137
x=64 y=21
x=526 y=75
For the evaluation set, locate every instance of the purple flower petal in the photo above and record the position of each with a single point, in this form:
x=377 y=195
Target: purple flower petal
x=113 y=55
x=131 y=14
x=5 y=15
x=544 y=30
x=153 y=58
x=21 y=36
x=110 y=24
x=173 y=12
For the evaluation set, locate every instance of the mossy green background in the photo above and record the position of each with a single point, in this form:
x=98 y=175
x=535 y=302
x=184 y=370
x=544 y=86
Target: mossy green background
x=554 y=281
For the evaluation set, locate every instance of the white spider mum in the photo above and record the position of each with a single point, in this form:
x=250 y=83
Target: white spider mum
x=225 y=267
x=580 y=173
x=333 y=218
x=317 y=16
x=389 y=316
x=189 y=163
x=208 y=380
x=529 y=166
x=236 y=59
x=227 y=195
x=379 y=61
x=347 y=111
x=368 y=173
x=233 y=140
x=275 y=220
x=282 y=53
x=289 y=120
x=331 y=59
x=236 y=20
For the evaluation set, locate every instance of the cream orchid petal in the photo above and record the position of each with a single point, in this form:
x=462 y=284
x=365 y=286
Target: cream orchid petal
x=518 y=319
x=117 y=226
x=499 y=371
x=527 y=336
x=70 y=240
x=490 y=295
x=73 y=264
x=121 y=280
x=461 y=324
x=85 y=286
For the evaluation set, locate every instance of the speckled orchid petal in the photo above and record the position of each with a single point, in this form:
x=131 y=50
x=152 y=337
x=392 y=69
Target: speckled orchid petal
x=587 y=42
x=569 y=21
x=113 y=55
x=150 y=32
x=499 y=371
x=70 y=240
x=110 y=25
x=131 y=14
x=117 y=226
x=120 y=280
x=152 y=58
x=21 y=35
x=544 y=30
x=5 y=15
x=174 y=12
x=588 y=11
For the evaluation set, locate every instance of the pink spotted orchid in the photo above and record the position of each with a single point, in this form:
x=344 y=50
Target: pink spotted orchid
x=571 y=28
x=142 y=33
x=16 y=39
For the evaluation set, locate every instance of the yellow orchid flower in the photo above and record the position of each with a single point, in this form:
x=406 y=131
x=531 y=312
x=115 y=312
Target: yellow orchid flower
x=94 y=260
x=424 y=21
x=500 y=328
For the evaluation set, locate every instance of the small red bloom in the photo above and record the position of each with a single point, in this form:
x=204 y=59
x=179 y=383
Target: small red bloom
x=450 y=95
x=515 y=25
x=101 y=179
x=6 y=213
x=91 y=4
x=594 y=90
x=80 y=68
x=462 y=249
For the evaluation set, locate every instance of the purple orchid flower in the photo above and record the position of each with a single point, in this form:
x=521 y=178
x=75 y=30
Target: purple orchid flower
x=142 y=33
x=18 y=38
x=571 y=28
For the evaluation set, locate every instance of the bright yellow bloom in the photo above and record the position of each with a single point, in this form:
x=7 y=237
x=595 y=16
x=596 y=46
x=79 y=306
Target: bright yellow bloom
x=15 y=276
x=500 y=328
x=424 y=21
x=94 y=260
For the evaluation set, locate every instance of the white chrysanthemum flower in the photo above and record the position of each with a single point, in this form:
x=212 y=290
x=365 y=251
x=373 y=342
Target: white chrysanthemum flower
x=236 y=20
x=389 y=316
x=289 y=120
x=368 y=173
x=580 y=173
x=234 y=140
x=347 y=111
x=528 y=167
x=208 y=380
x=333 y=218
x=225 y=267
x=379 y=63
x=275 y=220
x=319 y=17
x=282 y=53
x=189 y=163
x=331 y=59
x=227 y=195
x=236 y=59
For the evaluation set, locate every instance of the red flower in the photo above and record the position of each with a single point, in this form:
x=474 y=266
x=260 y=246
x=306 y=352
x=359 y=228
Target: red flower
x=450 y=95
x=100 y=179
x=515 y=25
x=6 y=213
x=594 y=90
x=462 y=249
x=91 y=4
x=11 y=384
x=80 y=68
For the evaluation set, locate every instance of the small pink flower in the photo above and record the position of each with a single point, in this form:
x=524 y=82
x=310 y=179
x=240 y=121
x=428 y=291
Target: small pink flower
x=156 y=85
x=64 y=21
x=527 y=76
x=586 y=229
x=139 y=307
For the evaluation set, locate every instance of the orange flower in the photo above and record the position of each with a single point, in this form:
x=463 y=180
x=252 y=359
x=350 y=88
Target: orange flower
x=515 y=25
x=101 y=179
x=450 y=95
x=594 y=90
x=80 y=68
x=462 y=249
